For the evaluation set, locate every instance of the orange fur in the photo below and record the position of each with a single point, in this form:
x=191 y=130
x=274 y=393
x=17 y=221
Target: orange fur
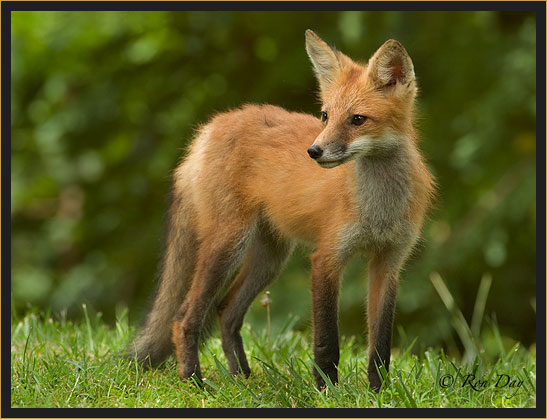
x=249 y=189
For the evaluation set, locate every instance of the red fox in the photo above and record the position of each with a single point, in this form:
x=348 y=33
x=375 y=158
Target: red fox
x=258 y=180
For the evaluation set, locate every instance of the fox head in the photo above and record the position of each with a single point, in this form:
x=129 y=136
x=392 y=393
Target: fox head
x=367 y=108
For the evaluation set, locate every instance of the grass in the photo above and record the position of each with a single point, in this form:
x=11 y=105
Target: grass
x=59 y=363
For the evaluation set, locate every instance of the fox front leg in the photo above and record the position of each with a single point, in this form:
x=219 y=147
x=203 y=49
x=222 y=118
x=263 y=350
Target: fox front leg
x=382 y=295
x=325 y=285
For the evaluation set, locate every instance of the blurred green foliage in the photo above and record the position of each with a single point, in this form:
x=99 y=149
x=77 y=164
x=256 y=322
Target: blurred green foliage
x=104 y=103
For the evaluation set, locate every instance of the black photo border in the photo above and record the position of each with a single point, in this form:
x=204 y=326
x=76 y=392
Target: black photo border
x=8 y=6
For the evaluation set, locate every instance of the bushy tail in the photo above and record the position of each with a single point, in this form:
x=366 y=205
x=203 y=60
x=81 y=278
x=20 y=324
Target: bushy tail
x=153 y=343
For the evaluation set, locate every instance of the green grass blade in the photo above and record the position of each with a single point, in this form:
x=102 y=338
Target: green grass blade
x=326 y=379
x=458 y=320
x=89 y=330
x=480 y=304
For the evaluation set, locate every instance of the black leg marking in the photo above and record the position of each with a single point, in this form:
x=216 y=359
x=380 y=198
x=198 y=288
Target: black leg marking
x=380 y=351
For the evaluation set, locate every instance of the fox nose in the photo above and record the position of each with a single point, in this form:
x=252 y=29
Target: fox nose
x=315 y=151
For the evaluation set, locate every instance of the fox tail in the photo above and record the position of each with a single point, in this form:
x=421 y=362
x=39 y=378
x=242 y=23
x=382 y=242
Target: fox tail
x=153 y=343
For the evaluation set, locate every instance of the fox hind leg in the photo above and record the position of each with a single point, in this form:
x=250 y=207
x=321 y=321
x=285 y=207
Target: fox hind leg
x=264 y=260
x=218 y=256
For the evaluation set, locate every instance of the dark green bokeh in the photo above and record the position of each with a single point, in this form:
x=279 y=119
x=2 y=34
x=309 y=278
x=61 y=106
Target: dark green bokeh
x=104 y=103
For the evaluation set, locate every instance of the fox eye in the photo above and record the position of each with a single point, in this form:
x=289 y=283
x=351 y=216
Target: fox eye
x=324 y=117
x=358 y=119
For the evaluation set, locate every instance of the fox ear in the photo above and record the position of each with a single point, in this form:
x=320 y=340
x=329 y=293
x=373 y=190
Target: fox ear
x=390 y=65
x=324 y=59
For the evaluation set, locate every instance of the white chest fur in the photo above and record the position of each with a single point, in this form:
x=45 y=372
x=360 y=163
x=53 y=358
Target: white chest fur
x=383 y=194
